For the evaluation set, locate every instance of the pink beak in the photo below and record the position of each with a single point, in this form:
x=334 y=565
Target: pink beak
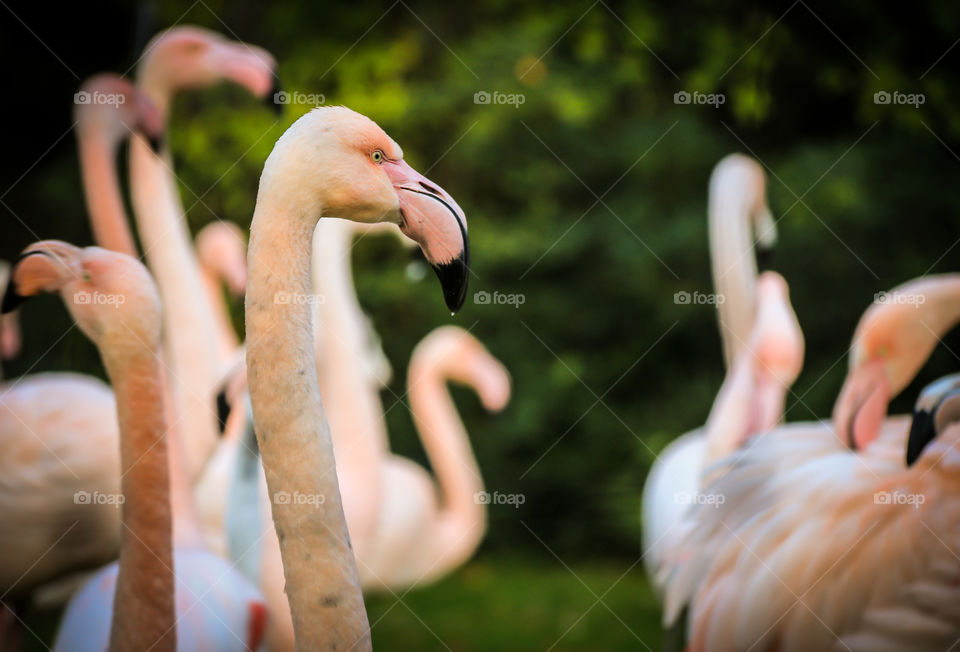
x=431 y=218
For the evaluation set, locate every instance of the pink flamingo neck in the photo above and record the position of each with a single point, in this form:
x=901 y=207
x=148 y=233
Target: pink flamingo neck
x=448 y=447
x=319 y=566
x=101 y=187
x=143 y=611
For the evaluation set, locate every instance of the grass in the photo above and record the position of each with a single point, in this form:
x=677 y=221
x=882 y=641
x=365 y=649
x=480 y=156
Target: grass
x=500 y=605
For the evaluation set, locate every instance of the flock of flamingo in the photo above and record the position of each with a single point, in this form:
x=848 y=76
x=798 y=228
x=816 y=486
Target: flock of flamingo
x=206 y=499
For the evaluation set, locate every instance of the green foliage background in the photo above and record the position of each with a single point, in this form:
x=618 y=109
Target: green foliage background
x=589 y=199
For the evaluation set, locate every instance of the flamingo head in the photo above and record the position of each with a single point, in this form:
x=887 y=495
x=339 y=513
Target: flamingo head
x=110 y=295
x=222 y=250
x=188 y=57
x=862 y=405
x=112 y=106
x=355 y=171
x=936 y=409
x=459 y=356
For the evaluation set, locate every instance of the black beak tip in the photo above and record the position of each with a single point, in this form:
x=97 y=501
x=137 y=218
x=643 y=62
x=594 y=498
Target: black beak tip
x=273 y=98
x=11 y=299
x=223 y=410
x=922 y=432
x=156 y=144
x=454 y=277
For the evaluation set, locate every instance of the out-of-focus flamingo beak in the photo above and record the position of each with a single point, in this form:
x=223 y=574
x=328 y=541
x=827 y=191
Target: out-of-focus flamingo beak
x=937 y=407
x=431 y=218
x=862 y=406
x=42 y=267
x=149 y=122
x=271 y=99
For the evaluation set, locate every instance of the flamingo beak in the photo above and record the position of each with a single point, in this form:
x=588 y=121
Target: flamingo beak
x=270 y=99
x=431 y=218
x=42 y=267
x=937 y=407
x=862 y=406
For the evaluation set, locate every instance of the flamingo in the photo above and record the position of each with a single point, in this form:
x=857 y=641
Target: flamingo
x=763 y=346
x=222 y=253
x=751 y=571
x=56 y=449
x=422 y=534
x=181 y=58
x=330 y=162
x=139 y=603
x=893 y=339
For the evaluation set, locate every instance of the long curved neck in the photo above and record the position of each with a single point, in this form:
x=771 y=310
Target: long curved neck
x=733 y=263
x=227 y=340
x=447 y=444
x=189 y=332
x=143 y=608
x=319 y=567
x=101 y=188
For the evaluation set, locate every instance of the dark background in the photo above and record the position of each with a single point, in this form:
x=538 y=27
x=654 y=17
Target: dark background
x=877 y=206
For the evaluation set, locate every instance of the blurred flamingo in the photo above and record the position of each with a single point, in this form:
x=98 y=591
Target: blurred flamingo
x=58 y=449
x=177 y=59
x=138 y=603
x=893 y=340
x=751 y=571
x=222 y=253
x=763 y=347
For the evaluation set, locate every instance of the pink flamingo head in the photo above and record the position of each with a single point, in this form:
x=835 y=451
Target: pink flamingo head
x=365 y=179
x=110 y=295
x=112 y=106
x=222 y=250
x=186 y=57
x=893 y=339
x=459 y=356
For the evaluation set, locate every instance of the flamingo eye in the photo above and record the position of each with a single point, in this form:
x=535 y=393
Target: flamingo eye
x=377 y=156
